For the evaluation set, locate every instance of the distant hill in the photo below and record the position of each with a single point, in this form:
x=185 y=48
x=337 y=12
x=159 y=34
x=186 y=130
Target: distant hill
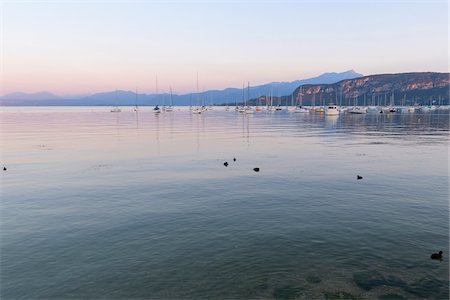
x=31 y=96
x=405 y=88
x=122 y=98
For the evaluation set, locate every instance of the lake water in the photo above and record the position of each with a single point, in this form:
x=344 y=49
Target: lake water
x=97 y=204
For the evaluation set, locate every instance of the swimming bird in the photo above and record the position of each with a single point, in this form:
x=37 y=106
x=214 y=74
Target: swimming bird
x=234 y=159
x=256 y=169
x=436 y=255
x=225 y=164
x=358 y=177
x=4 y=168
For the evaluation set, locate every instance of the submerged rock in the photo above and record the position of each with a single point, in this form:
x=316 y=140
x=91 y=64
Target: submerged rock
x=392 y=297
x=313 y=279
x=369 y=279
x=395 y=282
x=340 y=296
x=429 y=288
x=287 y=292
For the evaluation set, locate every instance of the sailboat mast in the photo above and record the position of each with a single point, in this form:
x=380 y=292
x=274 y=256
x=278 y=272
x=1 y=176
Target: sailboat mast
x=243 y=95
x=248 y=91
x=136 y=97
x=301 y=97
x=271 y=97
x=197 y=91
x=156 y=82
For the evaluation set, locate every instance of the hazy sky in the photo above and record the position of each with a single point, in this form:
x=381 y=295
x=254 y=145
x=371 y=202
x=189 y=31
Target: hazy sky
x=73 y=47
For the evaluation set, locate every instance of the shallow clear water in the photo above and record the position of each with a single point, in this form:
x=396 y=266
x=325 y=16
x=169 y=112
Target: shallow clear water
x=97 y=204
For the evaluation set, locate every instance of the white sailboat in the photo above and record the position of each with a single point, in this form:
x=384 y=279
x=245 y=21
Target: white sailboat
x=136 y=108
x=292 y=107
x=357 y=109
x=116 y=108
x=170 y=107
x=241 y=108
x=299 y=108
x=248 y=109
x=271 y=107
x=197 y=109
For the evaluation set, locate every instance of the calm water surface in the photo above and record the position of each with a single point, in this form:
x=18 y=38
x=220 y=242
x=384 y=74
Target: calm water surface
x=97 y=204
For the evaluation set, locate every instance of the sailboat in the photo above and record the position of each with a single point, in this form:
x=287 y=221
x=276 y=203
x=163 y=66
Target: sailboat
x=156 y=109
x=391 y=107
x=292 y=107
x=170 y=107
x=248 y=109
x=299 y=108
x=271 y=107
x=357 y=109
x=241 y=108
x=197 y=109
x=279 y=108
x=236 y=106
x=258 y=107
x=321 y=108
x=136 y=108
x=227 y=108
x=116 y=108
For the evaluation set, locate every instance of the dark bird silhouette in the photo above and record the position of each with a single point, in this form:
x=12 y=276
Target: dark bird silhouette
x=256 y=169
x=234 y=159
x=358 y=177
x=4 y=168
x=225 y=164
x=436 y=255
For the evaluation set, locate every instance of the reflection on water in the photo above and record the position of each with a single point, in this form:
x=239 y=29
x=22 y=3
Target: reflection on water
x=136 y=204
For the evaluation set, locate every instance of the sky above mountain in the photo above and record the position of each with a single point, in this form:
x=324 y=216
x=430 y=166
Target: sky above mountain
x=83 y=47
x=128 y=97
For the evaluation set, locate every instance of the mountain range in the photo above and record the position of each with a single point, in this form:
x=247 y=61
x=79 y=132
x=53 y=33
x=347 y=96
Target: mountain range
x=402 y=89
x=381 y=89
x=211 y=97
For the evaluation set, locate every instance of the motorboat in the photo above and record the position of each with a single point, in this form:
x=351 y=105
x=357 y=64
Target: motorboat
x=249 y=110
x=300 y=109
x=357 y=110
x=332 y=110
x=156 y=109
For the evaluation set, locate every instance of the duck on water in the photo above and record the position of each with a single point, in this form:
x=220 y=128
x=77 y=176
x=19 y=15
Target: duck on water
x=437 y=255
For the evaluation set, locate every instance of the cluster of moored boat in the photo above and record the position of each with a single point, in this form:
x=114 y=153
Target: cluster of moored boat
x=327 y=110
x=336 y=110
